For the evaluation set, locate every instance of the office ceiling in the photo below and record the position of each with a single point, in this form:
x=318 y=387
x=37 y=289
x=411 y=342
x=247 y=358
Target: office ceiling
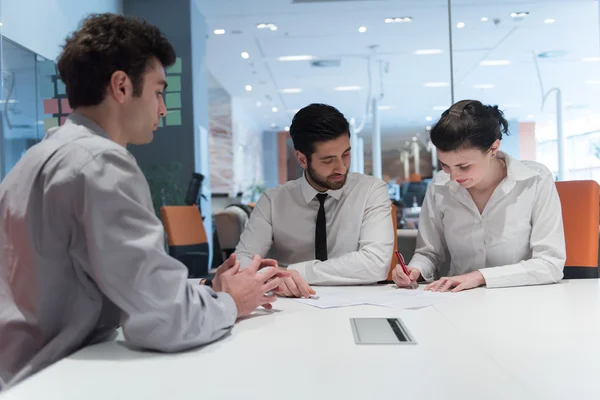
x=415 y=88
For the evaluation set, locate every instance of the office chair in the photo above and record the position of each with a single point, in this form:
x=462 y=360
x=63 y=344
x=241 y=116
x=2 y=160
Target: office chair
x=580 y=201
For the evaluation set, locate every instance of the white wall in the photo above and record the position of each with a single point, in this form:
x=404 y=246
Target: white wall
x=247 y=148
x=43 y=25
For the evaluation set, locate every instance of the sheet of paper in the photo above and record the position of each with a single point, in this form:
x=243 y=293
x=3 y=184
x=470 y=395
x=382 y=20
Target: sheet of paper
x=395 y=298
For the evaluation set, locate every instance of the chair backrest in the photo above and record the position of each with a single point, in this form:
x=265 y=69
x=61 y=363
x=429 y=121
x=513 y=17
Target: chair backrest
x=187 y=237
x=394 y=257
x=580 y=202
x=229 y=225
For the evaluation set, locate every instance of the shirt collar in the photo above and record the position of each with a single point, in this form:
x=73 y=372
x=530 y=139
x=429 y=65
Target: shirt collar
x=310 y=192
x=78 y=119
x=515 y=171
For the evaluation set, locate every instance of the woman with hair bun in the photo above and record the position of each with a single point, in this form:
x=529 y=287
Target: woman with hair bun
x=498 y=219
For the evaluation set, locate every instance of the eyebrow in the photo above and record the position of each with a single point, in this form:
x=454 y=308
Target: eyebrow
x=328 y=157
x=164 y=83
x=457 y=165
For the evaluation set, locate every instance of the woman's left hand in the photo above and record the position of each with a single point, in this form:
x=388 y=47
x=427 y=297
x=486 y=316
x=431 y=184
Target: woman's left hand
x=457 y=283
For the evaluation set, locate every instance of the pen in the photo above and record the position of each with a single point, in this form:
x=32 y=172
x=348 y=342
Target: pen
x=413 y=284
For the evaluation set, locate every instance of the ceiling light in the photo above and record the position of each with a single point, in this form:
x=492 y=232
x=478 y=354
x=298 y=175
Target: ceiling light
x=428 y=128
x=258 y=104
x=290 y=90
x=275 y=109
x=492 y=63
x=549 y=21
x=219 y=31
x=428 y=52
x=245 y=55
x=352 y=121
x=593 y=82
x=267 y=25
x=590 y=59
x=295 y=58
x=484 y=19
x=347 y=88
x=428 y=118
x=460 y=25
x=518 y=16
x=484 y=86
x=395 y=20
x=248 y=88
x=287 y=128
x=530 y=116
x=384 y=107
x=435 y=84
x=273 y=125
x=362 y=29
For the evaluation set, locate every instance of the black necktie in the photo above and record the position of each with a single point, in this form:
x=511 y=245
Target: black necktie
x=321 y=230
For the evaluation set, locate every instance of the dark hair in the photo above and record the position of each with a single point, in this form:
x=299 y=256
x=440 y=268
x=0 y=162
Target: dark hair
x=469 y=124
x=104 y=44
x=317 y=123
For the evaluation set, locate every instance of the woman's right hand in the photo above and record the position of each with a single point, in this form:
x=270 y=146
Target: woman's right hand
x=401 y=279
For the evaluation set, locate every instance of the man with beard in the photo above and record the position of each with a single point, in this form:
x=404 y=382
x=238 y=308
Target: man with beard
x=329 y=227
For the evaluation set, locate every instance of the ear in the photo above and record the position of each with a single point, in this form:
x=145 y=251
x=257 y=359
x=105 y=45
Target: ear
x=302 y=160
x=495 y=147
x=120 y=87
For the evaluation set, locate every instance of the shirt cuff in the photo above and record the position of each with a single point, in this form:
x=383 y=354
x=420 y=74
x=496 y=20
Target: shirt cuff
x=427 y=273
x=230 y=306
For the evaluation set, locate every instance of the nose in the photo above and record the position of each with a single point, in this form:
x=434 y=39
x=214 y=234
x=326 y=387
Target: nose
x=162 y=108
x=453 y=175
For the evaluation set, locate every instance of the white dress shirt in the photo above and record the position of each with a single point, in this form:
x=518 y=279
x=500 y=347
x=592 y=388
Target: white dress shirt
x=360 y=234
x=517 y=240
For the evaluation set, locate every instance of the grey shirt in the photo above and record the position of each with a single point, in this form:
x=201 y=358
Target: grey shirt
x=82 y=252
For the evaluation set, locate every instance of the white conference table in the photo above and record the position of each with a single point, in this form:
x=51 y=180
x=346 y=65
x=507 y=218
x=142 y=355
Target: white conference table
x=517 y=343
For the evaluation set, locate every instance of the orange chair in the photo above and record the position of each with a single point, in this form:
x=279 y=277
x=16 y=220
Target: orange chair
x=187 y=238
x=579 y=200
x=394 y=257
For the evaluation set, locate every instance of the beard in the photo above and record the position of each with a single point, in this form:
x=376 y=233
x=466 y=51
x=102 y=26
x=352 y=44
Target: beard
x=325 y=182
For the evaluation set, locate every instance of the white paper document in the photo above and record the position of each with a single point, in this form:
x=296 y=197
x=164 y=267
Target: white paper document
x=396 y=298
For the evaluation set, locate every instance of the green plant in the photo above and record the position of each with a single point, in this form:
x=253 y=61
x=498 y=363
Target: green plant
x=253 y=193
x=165 y=185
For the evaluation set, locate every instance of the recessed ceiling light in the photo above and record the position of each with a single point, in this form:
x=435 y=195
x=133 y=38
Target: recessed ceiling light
x=492 y=63
x=435 y=84
x=287 y=128
x=362 y=29
x=484 y=19
x=428 y=118
x=267 y=25
x=384 y=107
x=428 y=52
x=295 y=58
x=219 y=31
x=518 y=16
x=248 y=88
x=273 y=125
x=258 y=104
x=347 y=88
x=394 y=20
x=549 y=21
x=593 y=82
x=275 y=109
x=290 y=90
x=245 y=55
x=428 y=128
x=460 y=25
x=484 y=86
x=590 y=59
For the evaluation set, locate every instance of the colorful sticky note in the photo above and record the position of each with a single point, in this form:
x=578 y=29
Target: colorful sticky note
x=65 y=107
x=173 y=100
x=50 y=106
x=60 y=87
x=175 y=68
x=173 y=83
x=50 y=123
x=174 y=118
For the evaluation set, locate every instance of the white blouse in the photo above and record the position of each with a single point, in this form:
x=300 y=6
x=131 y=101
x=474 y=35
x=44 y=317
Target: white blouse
x=517 y=240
